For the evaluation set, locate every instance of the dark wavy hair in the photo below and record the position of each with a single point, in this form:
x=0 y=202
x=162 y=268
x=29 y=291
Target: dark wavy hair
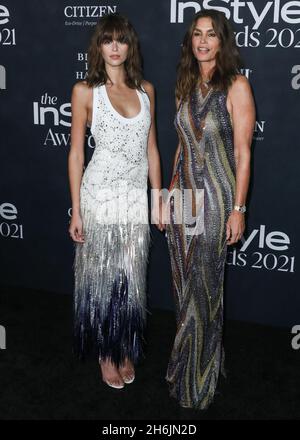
x=114 y=26
x=228 y=60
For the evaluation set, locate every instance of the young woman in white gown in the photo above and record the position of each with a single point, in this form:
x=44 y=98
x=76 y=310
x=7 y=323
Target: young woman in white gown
x=109 y=224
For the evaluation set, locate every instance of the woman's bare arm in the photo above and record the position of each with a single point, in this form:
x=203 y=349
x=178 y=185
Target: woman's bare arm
x=153 y=157
x=177 y=152
x=81 y=95
x=76 y=155
x=243 y=118
x=152 y=150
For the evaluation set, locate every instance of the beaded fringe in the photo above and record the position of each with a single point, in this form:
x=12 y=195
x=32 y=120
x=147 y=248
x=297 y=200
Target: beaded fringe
x=110 y=290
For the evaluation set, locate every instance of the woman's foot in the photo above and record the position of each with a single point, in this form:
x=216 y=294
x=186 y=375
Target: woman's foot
x=126 y=371
x=110 y=374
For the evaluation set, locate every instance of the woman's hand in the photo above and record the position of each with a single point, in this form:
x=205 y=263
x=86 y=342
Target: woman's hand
x=165 y=213
x=156 y=215
x=76 y=229
x=235 y=227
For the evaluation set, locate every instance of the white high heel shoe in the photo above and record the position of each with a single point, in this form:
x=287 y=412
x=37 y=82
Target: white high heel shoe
x=127 y=381
x=127 y=378
x=108 y=382
x=113 y=385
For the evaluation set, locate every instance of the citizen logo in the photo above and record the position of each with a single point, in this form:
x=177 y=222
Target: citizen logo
x=88 y=11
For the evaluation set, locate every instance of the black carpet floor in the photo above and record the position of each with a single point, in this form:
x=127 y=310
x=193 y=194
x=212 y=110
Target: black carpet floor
x=41 y=379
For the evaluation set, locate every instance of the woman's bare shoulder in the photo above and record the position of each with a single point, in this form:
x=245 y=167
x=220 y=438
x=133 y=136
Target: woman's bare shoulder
x=81 y=90
x=240 y=84
x=148 y=87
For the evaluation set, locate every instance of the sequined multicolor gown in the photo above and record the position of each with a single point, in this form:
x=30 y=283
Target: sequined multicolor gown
x=110 y=266
x=206 y=163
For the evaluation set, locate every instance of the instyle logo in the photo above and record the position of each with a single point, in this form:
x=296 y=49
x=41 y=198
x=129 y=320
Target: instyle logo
x=288 y=12
x=275 y=240
x=249 y=33
x=271 y=254
x=296 y=78
x=7 y=35
x=49 y=113
x=4 y=15
x=49 y=108
x=9 y=228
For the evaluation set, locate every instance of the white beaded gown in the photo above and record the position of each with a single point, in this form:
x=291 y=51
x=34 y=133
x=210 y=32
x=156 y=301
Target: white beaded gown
x=110 y=266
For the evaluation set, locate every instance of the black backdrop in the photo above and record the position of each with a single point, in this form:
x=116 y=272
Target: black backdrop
x=43 y=48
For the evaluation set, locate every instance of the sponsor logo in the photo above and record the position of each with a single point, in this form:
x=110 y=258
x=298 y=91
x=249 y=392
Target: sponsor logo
x=7 y=35
x=264 y=251
x=259 y=130
x=49 y=113
x=84 y=15
x=4 y=15
x=288 y=12
x=56 y=117
x=276 y=12
x=9 y=228
x=82 y=59
x=48 y=108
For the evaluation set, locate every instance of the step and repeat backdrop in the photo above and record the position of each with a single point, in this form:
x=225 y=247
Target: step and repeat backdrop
x=43 y=52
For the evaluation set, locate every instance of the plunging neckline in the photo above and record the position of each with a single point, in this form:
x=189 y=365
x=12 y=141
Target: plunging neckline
x=124 y=118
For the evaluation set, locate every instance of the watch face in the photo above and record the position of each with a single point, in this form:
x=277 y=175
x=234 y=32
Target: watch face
x=240 y=208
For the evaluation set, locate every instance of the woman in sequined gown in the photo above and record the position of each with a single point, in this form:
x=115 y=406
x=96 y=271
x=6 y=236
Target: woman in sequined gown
x=109 y=222
x=214 y=121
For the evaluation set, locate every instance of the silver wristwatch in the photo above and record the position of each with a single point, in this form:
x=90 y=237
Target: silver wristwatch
x=240 y=208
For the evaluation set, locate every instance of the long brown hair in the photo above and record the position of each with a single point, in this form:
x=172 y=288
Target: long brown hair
x=114 y=26
x=228 y=60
